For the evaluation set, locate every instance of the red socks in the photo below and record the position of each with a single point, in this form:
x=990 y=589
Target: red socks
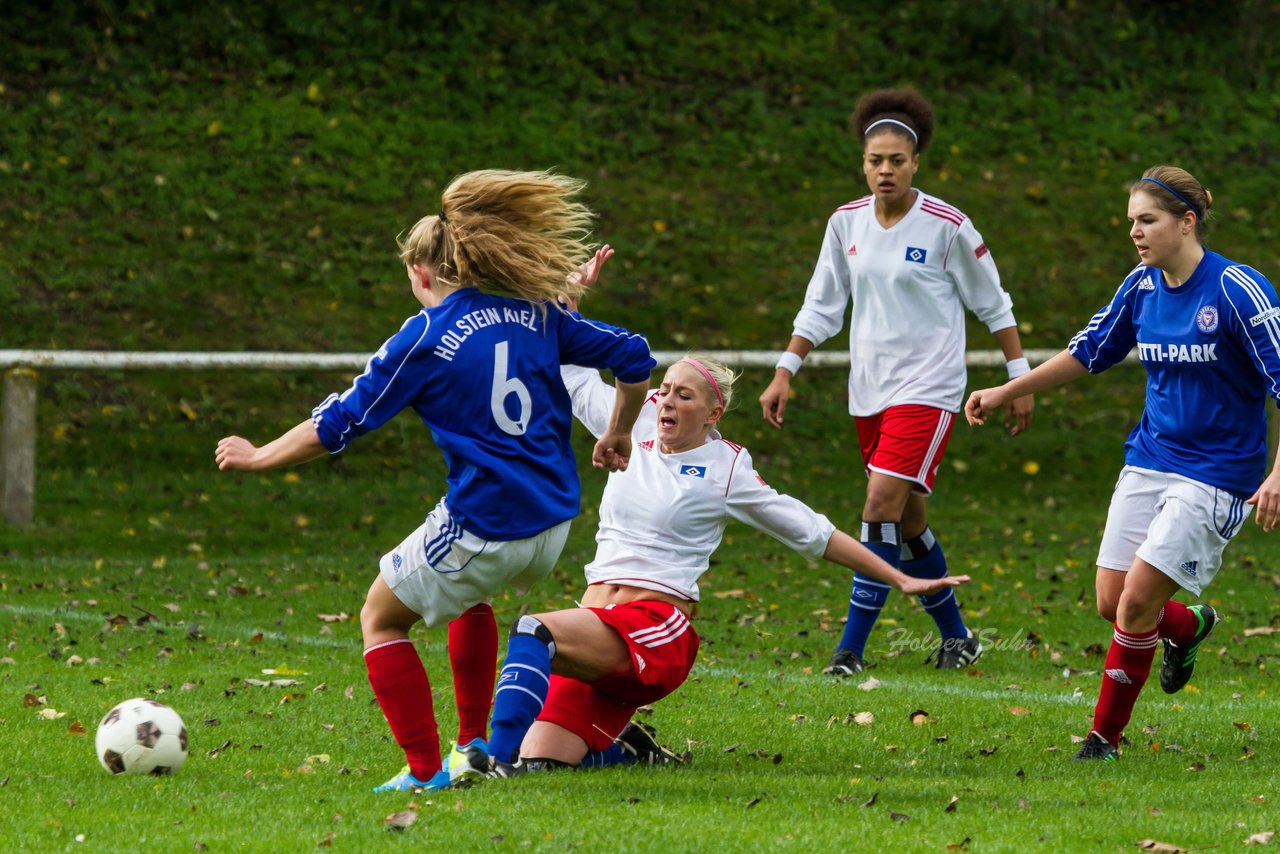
x=1126 y=670
x=473 y=657
x=400 y=683
x=1177 y=623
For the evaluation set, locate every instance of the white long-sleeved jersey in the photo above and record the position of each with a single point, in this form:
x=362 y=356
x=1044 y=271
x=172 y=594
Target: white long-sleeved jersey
x=909 y=285
x=661 y=519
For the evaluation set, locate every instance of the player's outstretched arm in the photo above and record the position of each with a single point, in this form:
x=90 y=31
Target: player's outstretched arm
x=613 y=450
x=848 y=552
x=1062 y=368
x=298 y=445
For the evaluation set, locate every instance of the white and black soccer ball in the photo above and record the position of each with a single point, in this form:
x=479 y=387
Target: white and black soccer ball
x=141 y=736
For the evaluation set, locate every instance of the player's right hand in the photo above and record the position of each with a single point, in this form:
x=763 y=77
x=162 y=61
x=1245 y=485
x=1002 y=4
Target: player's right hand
x=234 y=454
x=982 y=403
x=773 y=403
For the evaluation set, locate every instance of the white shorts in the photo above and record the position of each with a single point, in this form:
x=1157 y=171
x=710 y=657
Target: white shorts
x=1178 y=525
x=441 y=570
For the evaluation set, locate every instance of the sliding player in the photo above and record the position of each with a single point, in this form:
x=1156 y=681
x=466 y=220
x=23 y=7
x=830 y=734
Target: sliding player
x=573 y=678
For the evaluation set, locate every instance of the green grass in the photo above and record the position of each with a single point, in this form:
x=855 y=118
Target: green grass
x=218 y=579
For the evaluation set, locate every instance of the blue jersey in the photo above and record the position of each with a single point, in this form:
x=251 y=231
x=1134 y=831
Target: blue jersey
x=1210 y=349
x=483 y=373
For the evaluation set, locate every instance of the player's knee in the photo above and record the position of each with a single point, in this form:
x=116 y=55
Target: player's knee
x=532 y=627
x=1107 y=611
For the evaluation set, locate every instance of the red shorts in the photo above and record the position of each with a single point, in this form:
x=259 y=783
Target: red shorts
x=663 y=646
x=906 y=441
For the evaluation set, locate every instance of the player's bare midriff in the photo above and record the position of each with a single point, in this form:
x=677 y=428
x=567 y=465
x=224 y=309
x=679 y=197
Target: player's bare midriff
x=600 y=595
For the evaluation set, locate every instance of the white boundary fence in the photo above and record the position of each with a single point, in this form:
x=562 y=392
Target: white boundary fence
x=21 y=367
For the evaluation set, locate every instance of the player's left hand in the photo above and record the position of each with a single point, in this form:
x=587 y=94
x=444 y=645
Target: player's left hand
x=612 y=452
x=1267 y=502
x=1017 y=415
x=925 y=586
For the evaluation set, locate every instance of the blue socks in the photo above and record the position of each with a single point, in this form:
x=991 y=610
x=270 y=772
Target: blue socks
x=611 y=755
x=522 y=687
x=922 y=558
x=869 y=595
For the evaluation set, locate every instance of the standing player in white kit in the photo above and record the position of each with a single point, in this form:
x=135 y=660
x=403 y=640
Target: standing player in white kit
x=910 y=264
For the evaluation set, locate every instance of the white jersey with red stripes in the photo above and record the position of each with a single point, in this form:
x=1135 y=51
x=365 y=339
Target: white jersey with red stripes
x=909 y=286
x=661 y=519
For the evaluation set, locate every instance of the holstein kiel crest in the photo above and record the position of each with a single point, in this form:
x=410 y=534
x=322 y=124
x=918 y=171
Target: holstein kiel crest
x=1207 y=319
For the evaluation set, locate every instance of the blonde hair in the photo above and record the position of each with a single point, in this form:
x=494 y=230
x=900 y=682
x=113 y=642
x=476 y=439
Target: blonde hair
x=520 y=234
x=1176 y=191
x=723 y=375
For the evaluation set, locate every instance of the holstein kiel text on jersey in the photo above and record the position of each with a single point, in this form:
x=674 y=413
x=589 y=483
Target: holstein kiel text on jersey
x=473 y=320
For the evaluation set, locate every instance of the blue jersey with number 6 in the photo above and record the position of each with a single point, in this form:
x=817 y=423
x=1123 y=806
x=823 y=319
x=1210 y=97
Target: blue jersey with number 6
x=1211 y=348
x=483 y=373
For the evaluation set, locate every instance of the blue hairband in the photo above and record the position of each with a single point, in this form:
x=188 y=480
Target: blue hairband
x=1195 y=210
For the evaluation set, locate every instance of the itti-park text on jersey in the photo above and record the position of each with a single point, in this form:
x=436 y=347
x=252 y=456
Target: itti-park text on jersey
x=464 y=326
x=1177 y=352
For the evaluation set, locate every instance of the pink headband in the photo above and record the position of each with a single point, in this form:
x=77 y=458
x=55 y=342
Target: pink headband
x=715 y=386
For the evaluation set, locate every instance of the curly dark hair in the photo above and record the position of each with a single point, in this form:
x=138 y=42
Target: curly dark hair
x=903 y=105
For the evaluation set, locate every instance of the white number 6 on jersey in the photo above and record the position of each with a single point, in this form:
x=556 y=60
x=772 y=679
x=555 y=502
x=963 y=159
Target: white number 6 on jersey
x=504 y=386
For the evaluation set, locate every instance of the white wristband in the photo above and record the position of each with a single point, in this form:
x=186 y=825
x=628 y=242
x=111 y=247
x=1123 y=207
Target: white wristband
x=790 y=362
x=1017 y=367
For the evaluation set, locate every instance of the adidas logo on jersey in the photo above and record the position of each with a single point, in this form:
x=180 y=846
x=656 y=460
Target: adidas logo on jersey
x=646 y=445
x=1146 y=284
x=1189 y=567
x=1119 y=675
x=853 y=250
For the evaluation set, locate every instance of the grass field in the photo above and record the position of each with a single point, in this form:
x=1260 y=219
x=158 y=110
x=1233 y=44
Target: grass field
x=148 y=573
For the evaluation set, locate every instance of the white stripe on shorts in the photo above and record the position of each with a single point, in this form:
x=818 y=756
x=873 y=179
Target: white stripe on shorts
x=939 y=433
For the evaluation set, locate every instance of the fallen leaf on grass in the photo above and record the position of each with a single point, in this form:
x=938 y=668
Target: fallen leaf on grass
x=76 y=728
x=729 y=594
x=272 y=683
x=864 y=718
x=901 y=818
x=729 y=748
x=400 y=820
x=919 y=717
x=871 y=800
x=1244 y=725
x=1261 y=630
x=963 y=845
x=340 y=617
x=871 y=684
x=283 y=670
x=51 y=713
x=1019 y=710
x=1153 y=845
x=226 y=745
x=757 y=799
x=327 y=841
x=1263 y=838
x=951 y=804
x=30 y=701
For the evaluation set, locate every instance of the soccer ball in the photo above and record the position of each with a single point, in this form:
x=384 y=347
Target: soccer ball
x=141 y=736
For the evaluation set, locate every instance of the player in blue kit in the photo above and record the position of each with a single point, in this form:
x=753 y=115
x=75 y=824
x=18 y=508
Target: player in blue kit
x=1207 y=331
x=480 y=365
